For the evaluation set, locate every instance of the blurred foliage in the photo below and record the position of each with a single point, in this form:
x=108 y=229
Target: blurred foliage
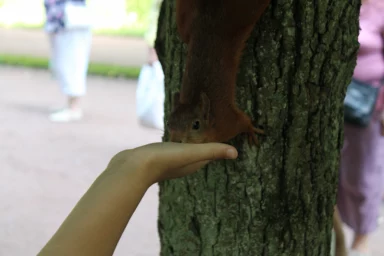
x=141 y=8
x=94 y=68
x=134 y=20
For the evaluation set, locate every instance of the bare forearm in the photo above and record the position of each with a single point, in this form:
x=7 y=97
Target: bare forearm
x=96 y=224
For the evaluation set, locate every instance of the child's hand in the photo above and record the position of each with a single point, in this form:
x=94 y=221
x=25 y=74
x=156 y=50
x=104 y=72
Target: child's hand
x=160 y=161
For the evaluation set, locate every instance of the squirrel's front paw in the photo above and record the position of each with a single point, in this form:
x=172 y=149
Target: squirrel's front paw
x=252 y=138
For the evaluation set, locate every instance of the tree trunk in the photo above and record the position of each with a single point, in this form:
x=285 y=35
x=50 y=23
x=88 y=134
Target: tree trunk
x=278 y=198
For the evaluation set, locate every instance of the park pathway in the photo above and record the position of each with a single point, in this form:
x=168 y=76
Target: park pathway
x=45 y=168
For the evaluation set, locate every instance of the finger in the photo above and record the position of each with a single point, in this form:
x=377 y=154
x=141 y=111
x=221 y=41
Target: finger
x=206 y=151
x=176 y=155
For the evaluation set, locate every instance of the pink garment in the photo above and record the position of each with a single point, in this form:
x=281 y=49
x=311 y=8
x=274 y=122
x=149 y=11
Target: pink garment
x=361 y=173
x=370 y=61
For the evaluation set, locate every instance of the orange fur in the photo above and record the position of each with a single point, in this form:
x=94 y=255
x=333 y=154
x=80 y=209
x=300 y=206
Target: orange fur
x=215 y=32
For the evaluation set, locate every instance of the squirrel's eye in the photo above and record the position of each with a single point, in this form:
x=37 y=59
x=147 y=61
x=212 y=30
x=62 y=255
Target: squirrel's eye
x=196 y=125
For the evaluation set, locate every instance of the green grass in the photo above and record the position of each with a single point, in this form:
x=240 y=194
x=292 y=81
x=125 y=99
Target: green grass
x=94 y=68
x=129 y=32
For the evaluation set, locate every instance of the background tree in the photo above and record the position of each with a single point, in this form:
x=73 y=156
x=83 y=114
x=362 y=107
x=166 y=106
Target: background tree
x=277 y=199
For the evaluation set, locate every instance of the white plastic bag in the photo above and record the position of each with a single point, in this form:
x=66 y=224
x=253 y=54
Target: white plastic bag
x=77 y=16
x=150 y=96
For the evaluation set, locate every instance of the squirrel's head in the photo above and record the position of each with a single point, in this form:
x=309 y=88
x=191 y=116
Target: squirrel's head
x=190 y=123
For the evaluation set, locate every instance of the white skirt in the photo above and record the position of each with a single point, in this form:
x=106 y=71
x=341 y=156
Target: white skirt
x=70 y=50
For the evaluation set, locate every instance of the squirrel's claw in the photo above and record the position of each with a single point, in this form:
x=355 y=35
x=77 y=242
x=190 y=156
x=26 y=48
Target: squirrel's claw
x=252 y=138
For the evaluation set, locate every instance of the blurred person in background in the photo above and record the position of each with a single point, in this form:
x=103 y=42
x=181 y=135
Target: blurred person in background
x=150 y=35
x=68 y=25
x=150 y=85
x=361 y=173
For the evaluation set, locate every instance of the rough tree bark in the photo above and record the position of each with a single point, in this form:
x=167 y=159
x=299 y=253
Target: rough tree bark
x=276 y=199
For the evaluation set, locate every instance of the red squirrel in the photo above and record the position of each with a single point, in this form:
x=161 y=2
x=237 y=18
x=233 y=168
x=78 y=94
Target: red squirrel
x=215 y=32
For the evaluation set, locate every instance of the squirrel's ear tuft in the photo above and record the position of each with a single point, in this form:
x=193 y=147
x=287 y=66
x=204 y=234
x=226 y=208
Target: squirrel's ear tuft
x=205 y=105
x=175 y=100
